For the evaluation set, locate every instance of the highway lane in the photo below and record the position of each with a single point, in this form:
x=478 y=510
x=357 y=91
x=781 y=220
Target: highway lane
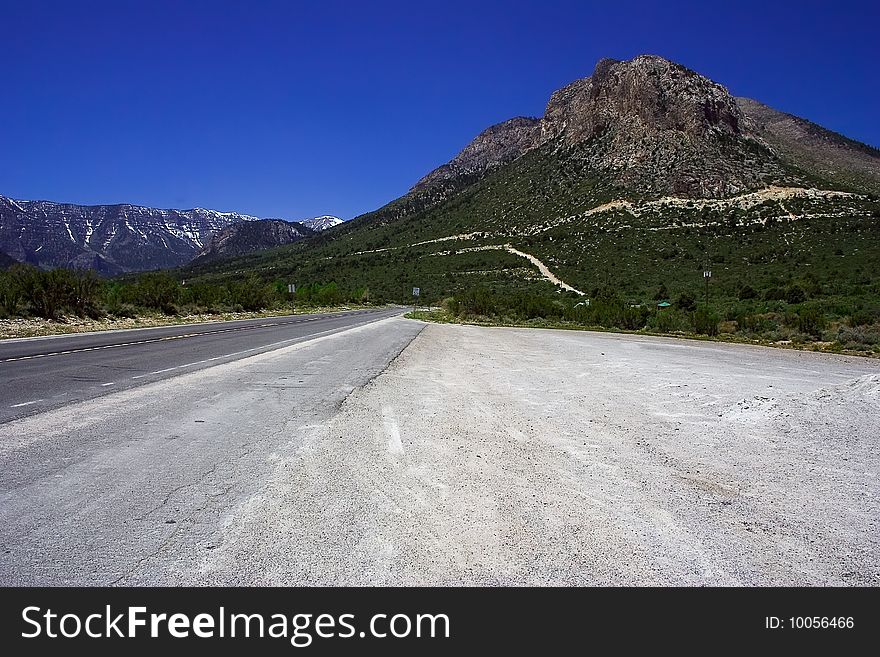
x=44 y=373
x=138 y=484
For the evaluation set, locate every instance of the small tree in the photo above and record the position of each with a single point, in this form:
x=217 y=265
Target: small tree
x=157 y=290
x=85 y=292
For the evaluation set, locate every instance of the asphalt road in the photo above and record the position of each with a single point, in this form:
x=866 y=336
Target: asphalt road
x=39 y=374
x=136 y=485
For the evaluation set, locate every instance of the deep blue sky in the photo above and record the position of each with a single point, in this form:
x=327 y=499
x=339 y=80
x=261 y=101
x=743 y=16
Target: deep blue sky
x=296 y=109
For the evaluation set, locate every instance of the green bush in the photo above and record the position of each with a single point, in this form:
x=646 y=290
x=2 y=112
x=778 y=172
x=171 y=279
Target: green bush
x=810 y=320
x=747 y=292
x=864 y=316
x=705 y=322
x=795 y=294
x=669 y=321
x=686 y=302
x=10 y=294
x=158 y=290
x=858 y=337
x=251 y=294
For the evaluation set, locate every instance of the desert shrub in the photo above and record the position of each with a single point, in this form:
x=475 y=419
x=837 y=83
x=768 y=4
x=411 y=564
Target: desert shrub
x=858 y=336
x=10 y=294
x=669 y=321
x=633 y=318
x=608 y=311
x=810 y=320
x=476 y=301
x=46 y=292
x=158 y=290
x=756 y=322
x=705 y=321
x=773 y=294
x=123 y=310
x=795 y=294
x=747 y=292
x=864 y=316
x=85 y=293
x=252 y=294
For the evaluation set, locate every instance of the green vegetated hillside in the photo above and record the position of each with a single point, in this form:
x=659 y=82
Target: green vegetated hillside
x=391 y=250
x=540 y=205
x=774 y=254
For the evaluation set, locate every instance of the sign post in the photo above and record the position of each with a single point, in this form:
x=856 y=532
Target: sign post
x=416 y=293
x=707 y=274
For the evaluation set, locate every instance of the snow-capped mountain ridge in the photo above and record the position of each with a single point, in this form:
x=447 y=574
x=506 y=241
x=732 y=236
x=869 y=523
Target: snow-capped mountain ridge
x=323 y=222
x=112 y=238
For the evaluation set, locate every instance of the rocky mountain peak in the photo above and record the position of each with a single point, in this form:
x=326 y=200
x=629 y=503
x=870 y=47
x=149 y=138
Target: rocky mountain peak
x=644 y=95
x=647 y=123
x=495 y=146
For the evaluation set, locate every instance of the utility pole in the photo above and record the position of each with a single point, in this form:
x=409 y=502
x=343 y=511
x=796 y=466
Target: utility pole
x=707 y=274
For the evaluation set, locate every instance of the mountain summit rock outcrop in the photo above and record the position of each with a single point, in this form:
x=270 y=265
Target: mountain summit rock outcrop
x=656 y=127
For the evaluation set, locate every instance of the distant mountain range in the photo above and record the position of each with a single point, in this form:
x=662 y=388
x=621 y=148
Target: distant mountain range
x=246 y=236
x=635 y=177
x=119 y=238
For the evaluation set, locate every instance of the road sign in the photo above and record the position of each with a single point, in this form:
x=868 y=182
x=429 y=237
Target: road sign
x=416 y=291
x=707 y=274
x=291 y=288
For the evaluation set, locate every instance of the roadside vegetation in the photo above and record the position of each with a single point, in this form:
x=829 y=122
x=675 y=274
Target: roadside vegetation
x=81 y=300
x=785 y=316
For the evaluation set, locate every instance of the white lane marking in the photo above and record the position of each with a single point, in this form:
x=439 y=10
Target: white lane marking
x=139 y=376
x=167 y=369
x=26 y=403
x=392 y=431
x=104 y=385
